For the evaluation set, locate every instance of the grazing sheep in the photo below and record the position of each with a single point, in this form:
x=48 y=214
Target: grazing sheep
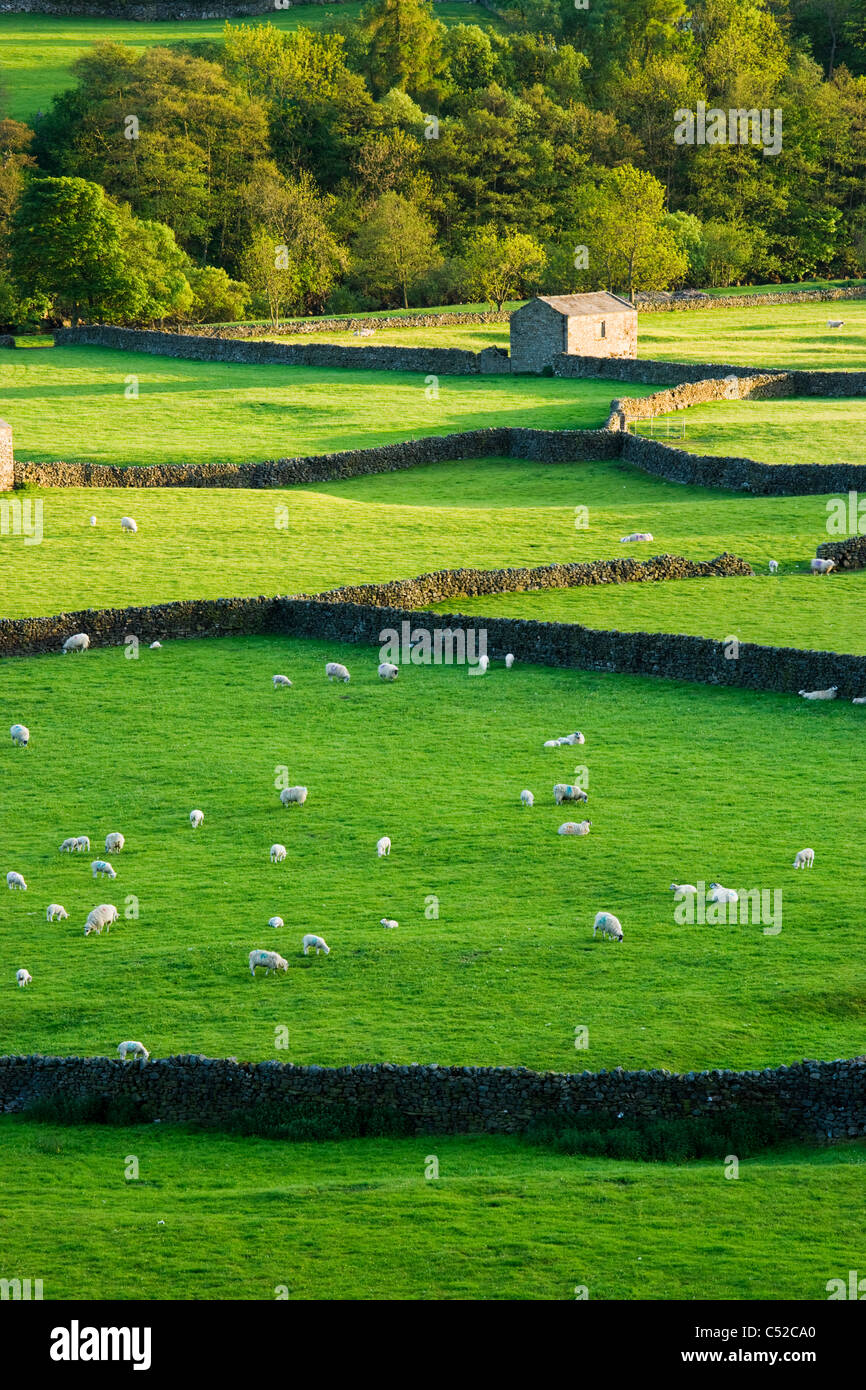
x=102 y=869
x=388 y=922
x=93 y=521
x=563 y=791
x=608 y=925
x=293 y=796
x=56 y=913
x=24 y=978
x=271 y=960
x=114 y=841
x=68 y=845
x=383 y=846
x=805 y=859
x=822 y=566
x=276 y=922
x=571 y=827
x=278 y=854
x=819 y=694
x=509 y=660
x=100 y=917
x=718 y=894
x=683 y=888
x=155 y=646
x=388 y=671
x=335 y=672
x=636 y=536
x=196 y=818
x=483 y=664
x=527 y=799
x=774 y=566
x=78 y=642
x=81 y=844
x=835 y=323
x=318 y=942
x=20 y=735
x=281 y=680
x=133 y=1049
x=128 y=524
x=15 y=880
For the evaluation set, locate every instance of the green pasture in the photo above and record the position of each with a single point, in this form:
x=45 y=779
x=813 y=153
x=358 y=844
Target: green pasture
x=789 y=430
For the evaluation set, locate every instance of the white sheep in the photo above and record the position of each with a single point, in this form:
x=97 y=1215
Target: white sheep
x=93 y=521
x=276 y=922
x=636 y=536
x=822 y=566
x=571 y=827
x=132 y=1049
x=483 y=664
x=281 y=680
x=718 y=894
x=278 y=854
x=527 y=799
x=859 y=700
x=335 y=672
x=388 y=922
x=196 y=818
x=819 y=694
x=317 y=943
x=127 y=523
x=509 y=660
x=114 y=841
x=155 y=646
x=78 y=642
x=24 y=978
x=271 y=960
x=388 y=671
x=683 y=888
x=102 y=869
x=82 y=843
x=15 y=880
x=773 y=566
x=563 y=791
x=55 y=912
x=608 y=925
x=20 y=735
x=68 y=845
x=99 y=918
x=383 y=846
x=293 y=796
x=835 y=323
x=805 y=859
x=576 y=737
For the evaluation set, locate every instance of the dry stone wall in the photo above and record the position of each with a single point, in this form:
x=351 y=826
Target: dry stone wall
x=849 y=554
x=741 y=474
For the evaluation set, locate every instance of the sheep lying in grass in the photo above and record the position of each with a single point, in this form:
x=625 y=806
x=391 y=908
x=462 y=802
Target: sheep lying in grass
x=155 y=646
x=114 y=842
x=636 y=536
x=576 y=737
x=819 y=694
x=276 y=922
x=805 y=859
x=278 y=854
x=571 y=827
x=127 y=523
x=335 y=672
x=281 y=680
x=683 y=888
x=822 y=566
x=14 y=880
x=527 y=799
x=100 y=918
x=24 y=978
x=102 y=869
x=20 y=735
x=55 y=912
x=608 y=925
x=774 y=566
x=859 y=700
x=196 y=818
x=293 y=796
x=270 y=960
x=563 y=791
x=383 y=846
x=388 y=671
x=78 y=642
x=388 y=922
x=132 y=1049
x=718 y=894
x=317 y=943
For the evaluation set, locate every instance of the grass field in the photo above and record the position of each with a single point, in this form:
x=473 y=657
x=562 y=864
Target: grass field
x=37 y=51
x=358 y=1220
x=509 y=967
x=800 y=430
x=70 y=403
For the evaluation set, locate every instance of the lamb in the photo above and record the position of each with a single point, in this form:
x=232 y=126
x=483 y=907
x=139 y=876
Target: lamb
x=196 y=818
x=78 y=642
x=312 y=941
x=820 y=694
x=388 y=671
x=773 y=566
x=571 y=827
x=68 y=845
x=608 y=925
x=24 y=978
x=278 y=854
x=636 y=536
x=100 y=917
x=383 y=846
x=335 y=672
x=822 y=566
x=133 y=1049
x=483 y=664
x=388 y=922
x=81 y=844
x=271 y=960
x=509 y=660
x=293 y=796
x=20 y=735
x=835 y=323
x=56 y=913
x=718 y=894
x=102 y=869
x=683 y=888
x=15 y=880
x=805 y=859
x=276 y=922
x=114 y=842
x=527 y=799
x=563 y=791
x=128 y=524
x=281 y=680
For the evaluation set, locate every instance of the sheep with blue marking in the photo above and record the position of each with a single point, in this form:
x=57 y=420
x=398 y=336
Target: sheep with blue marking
x=564 y=791
x=607 y=925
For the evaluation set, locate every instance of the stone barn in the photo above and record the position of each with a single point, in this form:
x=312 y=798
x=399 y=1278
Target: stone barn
x=584 y=325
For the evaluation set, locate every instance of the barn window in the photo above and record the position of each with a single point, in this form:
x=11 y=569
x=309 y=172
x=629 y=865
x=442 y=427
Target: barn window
x=603 y=334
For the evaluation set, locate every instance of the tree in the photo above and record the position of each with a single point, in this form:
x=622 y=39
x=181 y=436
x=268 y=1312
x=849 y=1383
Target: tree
x=155 y=285
x=503 y=267
x=631 y=247
x=404 y=45
x=395 y=246
x=293 y=214
x=271 y=273
x=216 y=298
x=65 y=243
